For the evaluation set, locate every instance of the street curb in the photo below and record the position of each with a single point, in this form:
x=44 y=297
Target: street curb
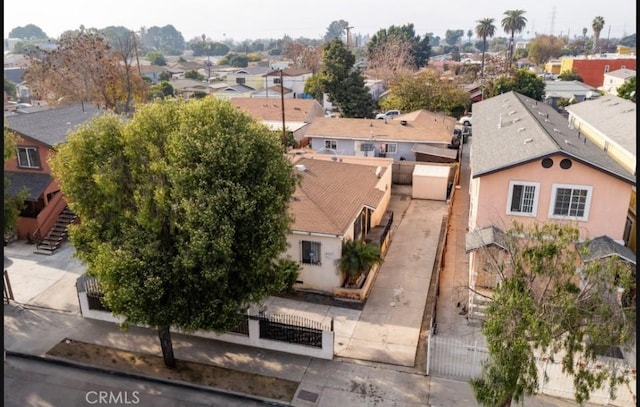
x=119 y=373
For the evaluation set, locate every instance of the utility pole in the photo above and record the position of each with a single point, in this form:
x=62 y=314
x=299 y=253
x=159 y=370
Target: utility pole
x=284 y=129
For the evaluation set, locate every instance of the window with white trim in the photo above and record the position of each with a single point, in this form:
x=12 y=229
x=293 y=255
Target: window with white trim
x=310 y=252
x=389 y=148
x=570 y=202
x=331 y=144
x=523 y=198
x=606 y=68
x=28 y=157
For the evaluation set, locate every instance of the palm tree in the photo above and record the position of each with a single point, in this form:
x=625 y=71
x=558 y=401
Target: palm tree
x=513 y=22
x=357 y=258
x=597 y=25
x=484 y=29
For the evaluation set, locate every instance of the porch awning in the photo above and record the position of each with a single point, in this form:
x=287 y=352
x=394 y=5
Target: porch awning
x=434 y=151
x=34 y=183
x=485 y=237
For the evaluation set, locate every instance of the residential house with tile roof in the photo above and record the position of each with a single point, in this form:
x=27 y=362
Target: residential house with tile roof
x=406 y=137
x=338 y=198
x=274 y=92
x=38 y=135
x=298 y=114
x=609 y=122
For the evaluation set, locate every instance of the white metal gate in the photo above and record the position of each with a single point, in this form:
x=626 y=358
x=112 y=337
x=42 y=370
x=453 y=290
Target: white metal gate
x=452 y=357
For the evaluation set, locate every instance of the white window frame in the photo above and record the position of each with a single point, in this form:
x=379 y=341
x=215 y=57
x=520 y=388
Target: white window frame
x=390 y=148
x=28 y=164
x=316 y=259
x=587 y=205
x=534 y=211
x=331 y=144
x=606 y=69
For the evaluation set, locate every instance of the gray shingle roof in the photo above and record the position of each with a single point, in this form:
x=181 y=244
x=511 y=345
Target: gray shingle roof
x=485 y=237
x=35 y=183
x=612 y=116
x=512 y=129
x=568 y=89
x=603 y=246
x=52 y=126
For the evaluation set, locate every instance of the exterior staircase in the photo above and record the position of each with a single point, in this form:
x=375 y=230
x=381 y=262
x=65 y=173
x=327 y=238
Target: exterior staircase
x=477 y=308
x=58 y=233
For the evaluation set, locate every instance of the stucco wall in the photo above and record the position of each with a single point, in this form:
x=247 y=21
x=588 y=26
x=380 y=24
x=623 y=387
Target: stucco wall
x=324 y=276
x=609 y=200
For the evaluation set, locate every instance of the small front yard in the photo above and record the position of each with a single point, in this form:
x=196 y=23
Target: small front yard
x=190 y=372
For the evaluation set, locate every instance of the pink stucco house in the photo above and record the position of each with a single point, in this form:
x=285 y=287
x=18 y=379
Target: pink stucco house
x=529 y=165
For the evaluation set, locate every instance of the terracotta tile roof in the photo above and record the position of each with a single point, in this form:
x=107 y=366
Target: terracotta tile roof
x=300 y=110
x=331 y=195
x=421 y=126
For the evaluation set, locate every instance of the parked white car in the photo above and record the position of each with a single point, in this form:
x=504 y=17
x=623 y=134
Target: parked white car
x=390 y=114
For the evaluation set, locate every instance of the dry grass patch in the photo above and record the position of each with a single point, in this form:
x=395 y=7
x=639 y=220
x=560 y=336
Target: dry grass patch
x=191 y=372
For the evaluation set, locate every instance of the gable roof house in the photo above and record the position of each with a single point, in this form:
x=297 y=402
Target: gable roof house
x=252 y=76
x=233 y=91
x=38 y=134
x=609 y=122
x=414 y=136
x=298 y=114
x=572 y=91
x=337 y=199
x=528 y=165
x=292 y=78
x=614 y=79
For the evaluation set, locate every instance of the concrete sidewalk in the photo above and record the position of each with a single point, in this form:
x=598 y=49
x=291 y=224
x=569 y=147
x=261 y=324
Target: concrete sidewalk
x=340 y=382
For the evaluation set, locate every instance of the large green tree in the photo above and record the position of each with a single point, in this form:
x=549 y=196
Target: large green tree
x=405 y=35
x=513 y=22
x=336 y=30
x=184 y=213
x=84 y=68
x=343 y=83
x=552 y=302
x=543 y=48
x=28 y=32
x=484 y=29
x=597 y=25
x=426 y=90
x=522 y=81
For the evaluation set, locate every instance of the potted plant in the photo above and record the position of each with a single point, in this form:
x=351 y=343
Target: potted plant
x=357 y=259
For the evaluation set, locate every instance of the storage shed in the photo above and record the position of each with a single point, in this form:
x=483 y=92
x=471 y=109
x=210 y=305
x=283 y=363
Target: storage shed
x=430 y=182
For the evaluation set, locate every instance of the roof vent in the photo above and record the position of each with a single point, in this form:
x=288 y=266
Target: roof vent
x=301 y=167
x=521 y=129
x=403 y=122
x=378 y=171
x=527 y=141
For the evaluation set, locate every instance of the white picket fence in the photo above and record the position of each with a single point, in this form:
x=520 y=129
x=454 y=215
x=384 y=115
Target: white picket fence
x=462 y=359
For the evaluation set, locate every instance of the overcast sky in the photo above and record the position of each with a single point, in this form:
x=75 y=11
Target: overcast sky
x=254 y=19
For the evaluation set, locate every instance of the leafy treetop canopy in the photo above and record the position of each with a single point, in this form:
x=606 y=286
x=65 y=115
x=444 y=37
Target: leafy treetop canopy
x=183 y=211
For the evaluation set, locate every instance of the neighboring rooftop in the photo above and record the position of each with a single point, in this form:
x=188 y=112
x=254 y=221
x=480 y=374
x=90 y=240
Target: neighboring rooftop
x=612 y=116
x=51 y=126
x=297 y=110
x=569 y=89
x=603 y=246
x=331 y=194
x=512 y=129
x=421 y=126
